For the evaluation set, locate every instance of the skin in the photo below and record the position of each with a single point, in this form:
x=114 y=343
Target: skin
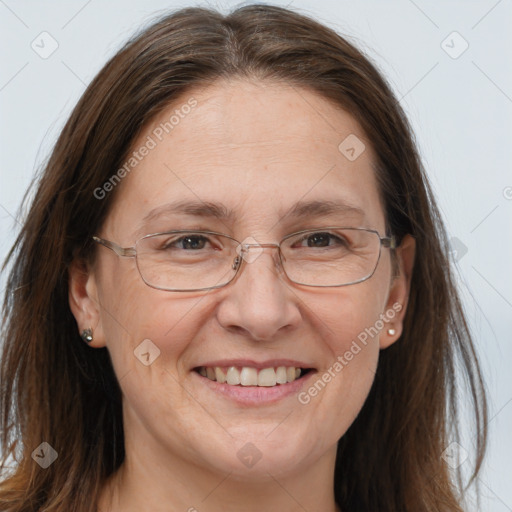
x=257 y=147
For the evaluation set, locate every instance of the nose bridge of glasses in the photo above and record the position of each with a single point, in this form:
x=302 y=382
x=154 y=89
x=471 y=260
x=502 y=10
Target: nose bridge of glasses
x=246 y=246
x=258 y=248
x=244 y=252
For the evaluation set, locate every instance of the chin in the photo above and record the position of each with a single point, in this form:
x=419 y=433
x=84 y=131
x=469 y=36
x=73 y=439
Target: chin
x=256 y=454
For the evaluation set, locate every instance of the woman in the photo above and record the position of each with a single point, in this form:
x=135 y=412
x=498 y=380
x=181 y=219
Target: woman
x=232 y=289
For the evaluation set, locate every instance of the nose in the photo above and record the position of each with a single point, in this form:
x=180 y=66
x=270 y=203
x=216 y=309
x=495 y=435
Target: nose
x=259 y=302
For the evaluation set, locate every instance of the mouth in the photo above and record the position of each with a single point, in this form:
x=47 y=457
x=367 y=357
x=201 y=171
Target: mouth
x=250 y=376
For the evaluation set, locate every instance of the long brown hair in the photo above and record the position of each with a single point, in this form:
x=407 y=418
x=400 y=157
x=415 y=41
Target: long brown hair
x=54 y=388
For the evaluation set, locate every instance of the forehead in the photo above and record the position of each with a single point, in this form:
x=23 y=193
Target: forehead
x=255 y=149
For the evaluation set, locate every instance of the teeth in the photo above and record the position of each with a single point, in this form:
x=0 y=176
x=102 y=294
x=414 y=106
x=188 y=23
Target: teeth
x=220 y=376
x=233 y=376
x=248 y=376
x=281 y=375
x=267 y=377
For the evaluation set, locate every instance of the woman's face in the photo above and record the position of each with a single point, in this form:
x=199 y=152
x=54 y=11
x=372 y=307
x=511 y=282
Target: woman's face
x=255 y=149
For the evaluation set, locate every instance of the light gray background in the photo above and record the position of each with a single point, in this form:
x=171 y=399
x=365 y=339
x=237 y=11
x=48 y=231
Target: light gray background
x=460 y=109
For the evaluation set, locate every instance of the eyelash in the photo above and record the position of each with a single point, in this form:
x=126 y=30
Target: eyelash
x=330 y=235
x=199 y=236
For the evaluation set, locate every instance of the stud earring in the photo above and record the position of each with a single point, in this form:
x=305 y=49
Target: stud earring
x=391 y=332
x=87 y=335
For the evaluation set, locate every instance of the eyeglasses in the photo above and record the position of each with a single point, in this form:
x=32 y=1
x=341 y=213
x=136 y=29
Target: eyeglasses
x=185 y=260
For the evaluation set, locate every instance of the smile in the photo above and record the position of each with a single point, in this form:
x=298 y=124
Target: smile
x=250 y=376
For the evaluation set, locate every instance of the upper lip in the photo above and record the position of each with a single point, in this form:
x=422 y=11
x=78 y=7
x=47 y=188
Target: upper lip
x=269 y=363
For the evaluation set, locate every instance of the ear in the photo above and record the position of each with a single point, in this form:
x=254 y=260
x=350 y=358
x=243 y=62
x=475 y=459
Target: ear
x=399 y=292
x=83 y=301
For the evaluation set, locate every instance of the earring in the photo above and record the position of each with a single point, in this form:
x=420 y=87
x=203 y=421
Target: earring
x=391 y=332
x=87 y=335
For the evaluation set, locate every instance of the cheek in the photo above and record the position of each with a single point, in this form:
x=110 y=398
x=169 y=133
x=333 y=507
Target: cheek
x=350 y=323
x=351 y=315
x=149 y=333
x=137 y=318
x=354 y=311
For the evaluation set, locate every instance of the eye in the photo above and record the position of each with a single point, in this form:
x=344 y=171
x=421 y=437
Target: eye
x=322 y=239
x=187 y=242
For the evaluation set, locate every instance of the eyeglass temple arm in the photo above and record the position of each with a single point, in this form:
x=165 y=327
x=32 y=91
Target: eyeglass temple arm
x=128 y=252
x=388 y=241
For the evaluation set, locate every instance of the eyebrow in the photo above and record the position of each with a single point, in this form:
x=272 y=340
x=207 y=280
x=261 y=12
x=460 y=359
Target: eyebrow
x=205 y=209
x=317 y=208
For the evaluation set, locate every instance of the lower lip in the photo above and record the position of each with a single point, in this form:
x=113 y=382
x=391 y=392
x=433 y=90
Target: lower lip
x=256 y=395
